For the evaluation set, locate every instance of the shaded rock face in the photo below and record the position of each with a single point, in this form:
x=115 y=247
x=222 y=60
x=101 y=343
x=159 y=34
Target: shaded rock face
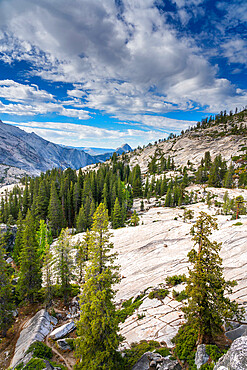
x=154 y=361
x=236 y=357
x=236 y=333
x=36 y=329
x=63 y=345
x=201 y=356
x=32 y=153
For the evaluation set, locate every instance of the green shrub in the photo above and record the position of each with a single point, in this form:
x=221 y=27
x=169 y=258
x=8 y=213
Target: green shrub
x=175 y=279
x=40 y=350
x=136 y=350
x=179 y=296
x=214 y=352
x=54 y=364
x=238 y=224
x=35 y=364
x=207 y=367
x=128 y=308
x=158 y=293
x=71 y=343
x=185 y=342
x=163 y=351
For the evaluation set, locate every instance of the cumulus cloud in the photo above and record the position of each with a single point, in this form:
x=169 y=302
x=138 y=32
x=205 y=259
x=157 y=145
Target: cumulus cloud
x=123 y=59
x=81 y=135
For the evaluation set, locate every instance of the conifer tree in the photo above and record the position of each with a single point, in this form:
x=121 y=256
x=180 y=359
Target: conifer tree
x=55 y=212
x=134 y=219
x=206 y=287
x=6 y=303
x=116 y=215
x=64 y=263
x=44 y=237
x=18 y=239
x=48 y=262
x=81 y=221
x=29 y=282
x=82 y=254
x=98 y=337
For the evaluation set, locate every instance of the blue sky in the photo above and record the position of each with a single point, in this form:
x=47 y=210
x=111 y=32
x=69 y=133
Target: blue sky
x=102 y=73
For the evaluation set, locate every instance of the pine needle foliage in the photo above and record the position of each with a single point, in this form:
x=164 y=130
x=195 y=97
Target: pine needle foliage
x=29 y=282
x=6 y=305
x=98 y=337
x=208 y=306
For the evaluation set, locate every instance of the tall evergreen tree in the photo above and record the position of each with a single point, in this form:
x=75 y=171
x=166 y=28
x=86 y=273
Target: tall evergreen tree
x=55 y=212
x=116 y=215
x=207 y=306
x=81 y=221
x=64 y=263
x=6 y=302
x=18 y=239
x=29 y=281
x=98 y=337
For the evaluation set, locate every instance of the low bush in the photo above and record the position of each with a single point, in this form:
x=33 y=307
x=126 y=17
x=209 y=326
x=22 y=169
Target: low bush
x=158 y=293
x=35 y=364
x=175 y=279
x=136 y=350
x=40 y=350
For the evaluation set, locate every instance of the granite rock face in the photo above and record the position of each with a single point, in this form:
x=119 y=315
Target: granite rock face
x=201 y=356
x=62 y=331
x=154 y=361
x=36 y=329
x=236 y=357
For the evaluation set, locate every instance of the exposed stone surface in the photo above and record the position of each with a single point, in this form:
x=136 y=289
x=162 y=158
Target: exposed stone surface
x=236 y=357
x=36 y=329
x=236 y=333
x=201 y=356
x=62 y=331
x=63 y=345
x=145 y=262
x=154 y=361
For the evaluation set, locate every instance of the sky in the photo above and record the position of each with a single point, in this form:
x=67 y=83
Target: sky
x=100 y=73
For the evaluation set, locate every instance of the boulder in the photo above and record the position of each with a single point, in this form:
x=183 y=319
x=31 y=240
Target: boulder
x=237 y=332
x=236 y=357
x=154 y=361
x=62 y=331
x=63 y=345
x=143 y=362
x=201 y=357
x=36 y=329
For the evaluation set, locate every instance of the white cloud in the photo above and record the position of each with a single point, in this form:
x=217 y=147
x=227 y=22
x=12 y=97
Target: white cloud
x=84 y=135
x=14 y=91
x=128 y=62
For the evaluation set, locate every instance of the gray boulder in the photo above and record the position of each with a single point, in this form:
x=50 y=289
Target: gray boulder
x=62 y=331
x=237 y=332
x=63 y=345
x=236 y=357
x=201 y=357
x=154 y=361
x=36 y=329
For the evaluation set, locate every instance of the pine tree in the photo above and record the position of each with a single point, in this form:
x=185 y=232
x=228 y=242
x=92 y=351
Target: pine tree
x=6 y=302
x=48 y=262
x=44 y=237
x=18 y=239
x=81 y=221
x=29 y=282
x=55 y=212
x=134 y=219
x=64 y=263
x=116 y=215
x=207 y=306
x=98 y=337
x=82 y=254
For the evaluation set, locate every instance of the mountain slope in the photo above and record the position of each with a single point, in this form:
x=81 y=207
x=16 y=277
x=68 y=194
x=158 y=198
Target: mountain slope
x=34 y=154
x=222 y=139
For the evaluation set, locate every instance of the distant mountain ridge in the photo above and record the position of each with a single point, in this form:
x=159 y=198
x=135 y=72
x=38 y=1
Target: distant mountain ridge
x=35 y=154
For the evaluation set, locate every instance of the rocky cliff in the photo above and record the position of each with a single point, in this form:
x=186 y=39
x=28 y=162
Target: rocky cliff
x=32 y=153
